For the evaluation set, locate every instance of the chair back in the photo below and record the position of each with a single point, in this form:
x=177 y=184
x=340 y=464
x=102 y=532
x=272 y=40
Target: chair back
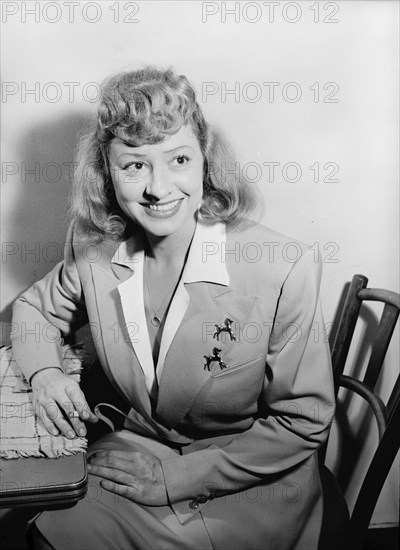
x=387 y=415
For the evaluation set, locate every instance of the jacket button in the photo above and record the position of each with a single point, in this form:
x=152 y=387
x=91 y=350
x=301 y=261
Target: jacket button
x=202 y=499
x=193 y=504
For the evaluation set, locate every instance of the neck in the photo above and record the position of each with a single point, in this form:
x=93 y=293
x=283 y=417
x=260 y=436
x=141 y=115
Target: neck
x=171 y=249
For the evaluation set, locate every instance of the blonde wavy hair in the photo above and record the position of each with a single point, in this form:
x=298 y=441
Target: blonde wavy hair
x=144 y=107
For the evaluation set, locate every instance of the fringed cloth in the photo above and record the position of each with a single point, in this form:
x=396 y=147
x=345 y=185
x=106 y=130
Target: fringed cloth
x=21 y=432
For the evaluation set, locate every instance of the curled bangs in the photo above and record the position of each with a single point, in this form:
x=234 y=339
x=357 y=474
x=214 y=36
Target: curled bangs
x=145 y=109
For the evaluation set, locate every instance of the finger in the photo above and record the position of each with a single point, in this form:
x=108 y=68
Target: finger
x=45 y=419
x=114 y=463
x=124 y=490
x=127 y=455
x=120 y=454
x=138 y=462
x=73 y=418
x=53 y=411
x=113 y=475
x=80 y=404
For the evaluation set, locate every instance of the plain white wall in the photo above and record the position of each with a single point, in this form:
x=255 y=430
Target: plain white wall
x=347 y=51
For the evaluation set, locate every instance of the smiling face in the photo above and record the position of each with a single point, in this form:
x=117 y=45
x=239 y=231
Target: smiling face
x=159 y=186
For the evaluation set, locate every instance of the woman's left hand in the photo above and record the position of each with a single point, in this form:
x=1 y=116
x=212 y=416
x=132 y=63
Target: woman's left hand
x=136 y=476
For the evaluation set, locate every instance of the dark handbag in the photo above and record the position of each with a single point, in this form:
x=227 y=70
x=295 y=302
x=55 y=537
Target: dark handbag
x=43 y=481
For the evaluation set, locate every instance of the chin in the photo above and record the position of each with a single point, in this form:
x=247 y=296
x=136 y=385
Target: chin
x=163 y=229
x=167 y=226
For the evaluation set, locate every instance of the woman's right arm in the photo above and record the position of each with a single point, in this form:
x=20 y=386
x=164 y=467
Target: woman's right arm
x=42 y=316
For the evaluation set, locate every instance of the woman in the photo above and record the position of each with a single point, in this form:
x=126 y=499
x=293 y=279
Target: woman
x=202 y=321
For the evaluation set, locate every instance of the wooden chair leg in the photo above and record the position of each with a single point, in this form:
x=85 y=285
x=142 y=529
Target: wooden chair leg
x=373 y=483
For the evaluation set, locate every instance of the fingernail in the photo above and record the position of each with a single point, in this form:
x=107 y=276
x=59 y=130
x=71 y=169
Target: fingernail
x=85 y=414
x=70 y=434
x=82 y=431
x=54 y=431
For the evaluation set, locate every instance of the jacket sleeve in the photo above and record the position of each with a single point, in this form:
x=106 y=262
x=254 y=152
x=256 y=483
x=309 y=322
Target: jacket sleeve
x=47 y=312
x=296 y=404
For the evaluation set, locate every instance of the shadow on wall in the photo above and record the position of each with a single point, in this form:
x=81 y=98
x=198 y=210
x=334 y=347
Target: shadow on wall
x=37 y=217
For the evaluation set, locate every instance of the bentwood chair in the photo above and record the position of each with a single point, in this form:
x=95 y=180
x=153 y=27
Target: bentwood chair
x=339 y=531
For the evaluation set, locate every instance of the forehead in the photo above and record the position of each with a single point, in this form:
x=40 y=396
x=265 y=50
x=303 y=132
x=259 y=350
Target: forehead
x=184 y=137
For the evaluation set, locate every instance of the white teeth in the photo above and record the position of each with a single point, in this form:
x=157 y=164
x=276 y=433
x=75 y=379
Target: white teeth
x=163 y=207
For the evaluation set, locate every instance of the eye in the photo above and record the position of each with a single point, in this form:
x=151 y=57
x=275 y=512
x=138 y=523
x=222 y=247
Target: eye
x=135 y=165
x=181 y=159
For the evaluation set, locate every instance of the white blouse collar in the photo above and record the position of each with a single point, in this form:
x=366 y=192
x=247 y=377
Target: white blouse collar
x=205 y=260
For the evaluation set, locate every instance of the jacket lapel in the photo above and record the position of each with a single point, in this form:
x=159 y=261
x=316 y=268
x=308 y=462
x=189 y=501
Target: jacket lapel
x=118 y=333
x=175 y=316
x=131 y=300
x=184 y=375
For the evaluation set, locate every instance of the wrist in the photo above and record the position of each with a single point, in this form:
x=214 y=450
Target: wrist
x=46 y=371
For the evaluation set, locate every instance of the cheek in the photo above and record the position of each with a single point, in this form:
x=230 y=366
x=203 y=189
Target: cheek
x=126 y=190
x=195 y=181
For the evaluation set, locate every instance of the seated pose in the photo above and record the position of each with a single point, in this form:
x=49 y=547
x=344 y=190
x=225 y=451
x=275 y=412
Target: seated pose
x=208 y=324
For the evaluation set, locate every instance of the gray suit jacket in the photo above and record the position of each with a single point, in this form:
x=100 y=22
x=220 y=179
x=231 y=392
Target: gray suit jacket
x=256 y=423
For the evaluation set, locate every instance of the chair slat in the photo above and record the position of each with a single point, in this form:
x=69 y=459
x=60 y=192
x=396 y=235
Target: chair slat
x=393 y=399
x=380 y=295
x=347 y=324
x=384 y=334
x=375 y=402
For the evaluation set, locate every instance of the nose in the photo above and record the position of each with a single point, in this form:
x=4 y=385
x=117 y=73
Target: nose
x=159 y=185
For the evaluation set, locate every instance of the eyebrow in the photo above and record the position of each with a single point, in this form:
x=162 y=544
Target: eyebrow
x=179 y=147
x=139 y=155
